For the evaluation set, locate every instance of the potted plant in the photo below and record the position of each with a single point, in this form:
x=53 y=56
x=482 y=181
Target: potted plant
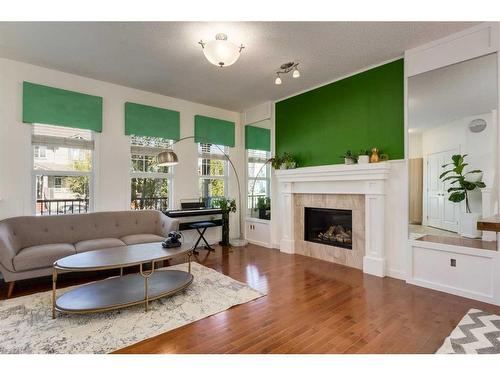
x=286 y=161
x=349 y=157
x=264 y=208
x=460 y=189
x=227 y=206
x=364 y=157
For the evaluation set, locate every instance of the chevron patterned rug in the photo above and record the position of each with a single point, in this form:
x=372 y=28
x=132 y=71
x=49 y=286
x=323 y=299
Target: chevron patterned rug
x=477 y=333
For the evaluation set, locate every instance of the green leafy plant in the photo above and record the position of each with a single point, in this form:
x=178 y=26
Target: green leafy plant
x=364 y=152
x=349 y=155
x=287 y=160
x=460 y=186
x=225 y=204
x=263 y=203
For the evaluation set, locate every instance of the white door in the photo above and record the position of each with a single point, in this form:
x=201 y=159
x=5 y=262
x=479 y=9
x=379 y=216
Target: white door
x=441 y=213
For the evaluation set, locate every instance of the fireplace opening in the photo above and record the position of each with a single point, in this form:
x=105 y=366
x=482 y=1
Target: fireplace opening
x=328 y=226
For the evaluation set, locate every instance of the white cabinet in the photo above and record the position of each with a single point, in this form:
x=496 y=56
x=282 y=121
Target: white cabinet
x=258 y=231
x=467 y=272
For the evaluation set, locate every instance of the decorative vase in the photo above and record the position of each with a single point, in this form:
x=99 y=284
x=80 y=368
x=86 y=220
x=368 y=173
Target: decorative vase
x=348 y=161
x=468 y=225
x=225 y=229
x=363 y=159
x=374 y=158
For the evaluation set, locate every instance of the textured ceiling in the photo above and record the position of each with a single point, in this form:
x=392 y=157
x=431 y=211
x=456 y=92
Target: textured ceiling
x=451 y=93
x=164 y=57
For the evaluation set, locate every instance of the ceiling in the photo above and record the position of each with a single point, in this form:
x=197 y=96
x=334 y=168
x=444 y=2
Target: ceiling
x=451 y=93
x=164 y=57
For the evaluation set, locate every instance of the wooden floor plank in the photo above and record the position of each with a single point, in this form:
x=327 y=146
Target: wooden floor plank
x=312 y=306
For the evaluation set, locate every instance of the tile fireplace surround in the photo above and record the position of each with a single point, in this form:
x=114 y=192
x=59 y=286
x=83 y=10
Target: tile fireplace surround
x=360 y=188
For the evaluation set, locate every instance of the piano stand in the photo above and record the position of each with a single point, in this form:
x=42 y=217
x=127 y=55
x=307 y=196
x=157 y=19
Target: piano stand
x=201 y=228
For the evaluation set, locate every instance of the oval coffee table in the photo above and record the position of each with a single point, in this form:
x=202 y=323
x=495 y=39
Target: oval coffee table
x=124 y=290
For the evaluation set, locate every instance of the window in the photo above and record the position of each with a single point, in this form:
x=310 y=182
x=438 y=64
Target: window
x=150 y=184
x=40 y=152
x=258 y=184
x=62 y=169
x=212 y=171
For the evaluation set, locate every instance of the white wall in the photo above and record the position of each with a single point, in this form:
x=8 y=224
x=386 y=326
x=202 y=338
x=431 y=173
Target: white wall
x=479 y=147
x=112 y=171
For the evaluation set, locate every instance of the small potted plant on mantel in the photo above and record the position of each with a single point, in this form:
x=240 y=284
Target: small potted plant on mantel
x=286 y=161
x=349 y=158
x=460 y=188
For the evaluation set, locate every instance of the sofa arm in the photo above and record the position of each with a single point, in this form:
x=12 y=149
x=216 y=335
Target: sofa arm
x=167 y=225
x=8 y=249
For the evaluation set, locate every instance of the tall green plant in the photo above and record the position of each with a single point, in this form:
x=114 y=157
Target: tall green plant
x=460 y=186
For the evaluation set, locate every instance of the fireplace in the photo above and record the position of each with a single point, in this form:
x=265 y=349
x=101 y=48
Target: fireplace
x=328 y=226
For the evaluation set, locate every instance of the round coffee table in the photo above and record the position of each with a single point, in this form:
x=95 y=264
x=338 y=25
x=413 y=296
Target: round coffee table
x=124 y=290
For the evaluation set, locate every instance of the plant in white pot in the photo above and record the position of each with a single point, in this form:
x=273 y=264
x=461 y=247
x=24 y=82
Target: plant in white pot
x=461 y=184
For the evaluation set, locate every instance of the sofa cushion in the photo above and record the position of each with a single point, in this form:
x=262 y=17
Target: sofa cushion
x=97 y=244
x=133 y=239
x=41 y=256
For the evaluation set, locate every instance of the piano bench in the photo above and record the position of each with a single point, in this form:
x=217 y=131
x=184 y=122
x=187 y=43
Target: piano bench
x=201 y=227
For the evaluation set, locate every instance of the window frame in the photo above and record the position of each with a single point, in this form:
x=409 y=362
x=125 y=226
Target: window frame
x=224 y=177
x=169 y=176
x=35 y=172
x=251 y=179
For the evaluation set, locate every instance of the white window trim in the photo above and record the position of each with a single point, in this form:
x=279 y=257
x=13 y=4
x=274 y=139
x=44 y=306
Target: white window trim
x=35 y=172
x=251 y=179
x=133 y=174
x=225 y=177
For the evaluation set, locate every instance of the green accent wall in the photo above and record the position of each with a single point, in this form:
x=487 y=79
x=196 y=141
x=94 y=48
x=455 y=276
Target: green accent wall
x=358 y=112
x=213 y=130
x=53 y=106
x=145 y=120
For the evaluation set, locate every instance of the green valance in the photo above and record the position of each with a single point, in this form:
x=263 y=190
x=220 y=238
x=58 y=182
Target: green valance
x=144 y=120
x=257 y=138
x=213 y=130
x=53 y=106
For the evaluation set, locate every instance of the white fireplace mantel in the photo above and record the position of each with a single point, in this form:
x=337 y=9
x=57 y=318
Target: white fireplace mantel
x=366 y=179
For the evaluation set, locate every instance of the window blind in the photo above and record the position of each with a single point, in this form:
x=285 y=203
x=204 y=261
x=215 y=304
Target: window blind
x=213 y=130
x=145 y=120
x=53 y=106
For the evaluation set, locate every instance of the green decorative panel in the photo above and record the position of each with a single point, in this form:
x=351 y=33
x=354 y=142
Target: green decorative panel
x=257 y=138
x=144 y=120
x=359 y=112
x=53 y=106
x=213 y=130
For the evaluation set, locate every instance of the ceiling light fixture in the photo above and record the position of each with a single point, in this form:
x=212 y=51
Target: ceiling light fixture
x=287 y=68
x=220 y=51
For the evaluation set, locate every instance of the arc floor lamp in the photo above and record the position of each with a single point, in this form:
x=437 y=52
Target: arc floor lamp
x=169 y=158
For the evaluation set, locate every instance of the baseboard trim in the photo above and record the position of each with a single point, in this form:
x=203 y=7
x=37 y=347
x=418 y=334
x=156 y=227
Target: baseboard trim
x=450 y=290
x=396 y=274
x=374 y=266
x=259 y=243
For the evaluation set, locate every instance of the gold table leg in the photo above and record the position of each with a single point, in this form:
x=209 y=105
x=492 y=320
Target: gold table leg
x=146 y=276
x=54 y=281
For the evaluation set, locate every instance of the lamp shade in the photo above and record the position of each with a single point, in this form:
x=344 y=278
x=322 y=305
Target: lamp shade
x=221 y=52
x=167 y=158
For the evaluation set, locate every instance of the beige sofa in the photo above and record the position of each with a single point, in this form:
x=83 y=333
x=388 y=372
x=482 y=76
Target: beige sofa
x=29 y=245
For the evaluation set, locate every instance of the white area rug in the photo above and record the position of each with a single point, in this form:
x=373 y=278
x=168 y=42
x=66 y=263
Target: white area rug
x=477 y=333
x=26 y=325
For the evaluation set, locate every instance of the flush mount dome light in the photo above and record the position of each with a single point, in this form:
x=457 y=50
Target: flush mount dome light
x=220 y=51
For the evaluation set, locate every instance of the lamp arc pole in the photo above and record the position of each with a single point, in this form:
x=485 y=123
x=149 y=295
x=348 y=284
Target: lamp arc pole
x=172 y=159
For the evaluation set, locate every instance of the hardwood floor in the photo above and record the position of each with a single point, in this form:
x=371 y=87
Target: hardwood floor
x=311 y=306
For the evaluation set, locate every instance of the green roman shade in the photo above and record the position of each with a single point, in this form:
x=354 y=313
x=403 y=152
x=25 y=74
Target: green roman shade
x=213 y=130
x=53 y=106
x=144 y=120
x=257 y=138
